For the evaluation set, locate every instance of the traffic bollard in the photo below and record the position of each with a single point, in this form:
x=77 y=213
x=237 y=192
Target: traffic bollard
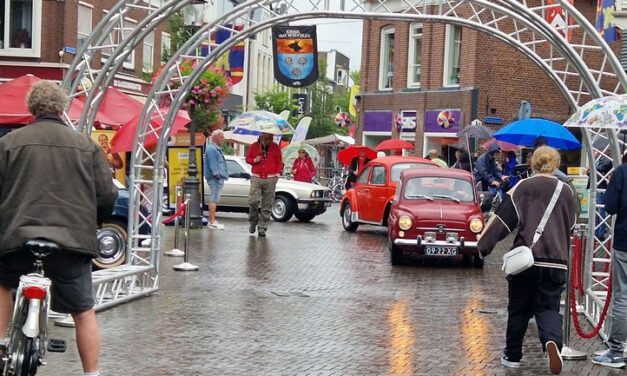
x=176 y=252
x=186 y=266
x=568 y=353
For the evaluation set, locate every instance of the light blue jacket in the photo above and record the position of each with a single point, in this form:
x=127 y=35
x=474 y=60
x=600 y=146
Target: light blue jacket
x=215 y=163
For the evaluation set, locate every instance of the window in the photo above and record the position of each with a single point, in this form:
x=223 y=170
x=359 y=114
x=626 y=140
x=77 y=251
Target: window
x=386 y=62
x=415 y=47
x=452 y=54
x=440 y=189
x=166 y=47
x=378 y=175
x=116 y=37
x=148 y=62
x=400 y=167
x=20 y=27
x=234 y=168
x=363 y=177
x=84 y=24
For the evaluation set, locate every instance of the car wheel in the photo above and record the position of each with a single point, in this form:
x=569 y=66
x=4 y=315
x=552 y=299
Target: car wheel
x=304 y=217
x=282 y=209
x=396 y=255
x=112 y=240
x=347 y=222
x=478 y=262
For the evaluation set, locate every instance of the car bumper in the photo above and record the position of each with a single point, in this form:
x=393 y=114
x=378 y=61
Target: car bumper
x=313 y=205
x=417 y=245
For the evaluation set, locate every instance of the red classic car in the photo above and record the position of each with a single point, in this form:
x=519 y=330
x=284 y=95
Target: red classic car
x=369 y=202
x=436 y=213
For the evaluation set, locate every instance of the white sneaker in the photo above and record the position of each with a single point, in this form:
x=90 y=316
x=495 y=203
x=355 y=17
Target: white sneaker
x=555 y=358
x=215 y=226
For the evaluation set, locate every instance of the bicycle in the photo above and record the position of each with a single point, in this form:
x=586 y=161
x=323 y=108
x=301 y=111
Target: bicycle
x=27 y=335
x=337 y=185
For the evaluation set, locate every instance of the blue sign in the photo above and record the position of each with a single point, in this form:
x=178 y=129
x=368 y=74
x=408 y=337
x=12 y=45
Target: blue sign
x=70 y=50
x=492 y=120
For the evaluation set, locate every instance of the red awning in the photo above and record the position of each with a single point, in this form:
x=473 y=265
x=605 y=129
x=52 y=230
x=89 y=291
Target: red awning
x=124 y=138
x=13 y=108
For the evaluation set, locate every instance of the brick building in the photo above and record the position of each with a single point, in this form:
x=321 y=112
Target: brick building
x=42 y=38
x=433 y=73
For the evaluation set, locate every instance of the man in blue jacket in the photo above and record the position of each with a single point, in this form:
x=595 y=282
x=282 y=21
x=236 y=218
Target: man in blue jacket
x=216 y=174
x=616 y=204
x=486 y=170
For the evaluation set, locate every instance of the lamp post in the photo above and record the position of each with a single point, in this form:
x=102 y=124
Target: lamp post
x=192 y=17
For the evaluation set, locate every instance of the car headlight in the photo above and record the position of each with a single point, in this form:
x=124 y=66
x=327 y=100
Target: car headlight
x=405 y=222
x=476 y=225
x=317 y=194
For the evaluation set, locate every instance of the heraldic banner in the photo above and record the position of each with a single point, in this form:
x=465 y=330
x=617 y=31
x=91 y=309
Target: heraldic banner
x=295 y=55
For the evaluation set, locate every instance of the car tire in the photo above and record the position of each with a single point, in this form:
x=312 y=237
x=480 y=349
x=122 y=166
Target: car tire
x=478 y=262
x=304 y=217
x=347 y=222
x=112 y=241
x=282 y=208
x=396 y=255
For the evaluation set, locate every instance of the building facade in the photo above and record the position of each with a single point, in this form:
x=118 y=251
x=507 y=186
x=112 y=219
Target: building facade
x=337 y=69
x=424 y=82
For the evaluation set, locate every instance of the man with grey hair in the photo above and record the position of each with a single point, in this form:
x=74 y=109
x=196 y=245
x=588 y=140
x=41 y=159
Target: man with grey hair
x=78 y=196
x=216 y=174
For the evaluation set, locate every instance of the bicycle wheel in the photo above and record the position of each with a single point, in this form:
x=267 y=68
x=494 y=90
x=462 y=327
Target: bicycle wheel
x=30 y=359
x=23 y=359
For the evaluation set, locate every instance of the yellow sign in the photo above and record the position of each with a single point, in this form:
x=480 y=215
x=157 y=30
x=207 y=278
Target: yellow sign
x=576 y=171
x=351 y=103
x=117 y=161
x=178 y=162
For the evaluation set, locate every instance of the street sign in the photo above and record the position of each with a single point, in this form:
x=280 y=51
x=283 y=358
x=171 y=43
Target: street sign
x=70 y=50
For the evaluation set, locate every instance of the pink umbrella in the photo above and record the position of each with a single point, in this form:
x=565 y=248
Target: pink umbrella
x=505 y=146
x=124 y=138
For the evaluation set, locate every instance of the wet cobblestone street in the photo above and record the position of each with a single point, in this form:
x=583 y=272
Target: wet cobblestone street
x=311 y=299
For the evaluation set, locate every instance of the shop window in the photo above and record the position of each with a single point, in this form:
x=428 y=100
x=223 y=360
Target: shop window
x=415 y=46
x=20 y=27
x=148 y=53
x=452 y=55
x=84 y=23
x=386 y=62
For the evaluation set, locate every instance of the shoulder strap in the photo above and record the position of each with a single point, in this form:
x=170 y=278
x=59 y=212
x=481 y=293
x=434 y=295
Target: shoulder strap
x=547 y=213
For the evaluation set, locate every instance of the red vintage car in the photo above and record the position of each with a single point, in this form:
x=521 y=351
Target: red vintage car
x=369 y=202
x=435 y=213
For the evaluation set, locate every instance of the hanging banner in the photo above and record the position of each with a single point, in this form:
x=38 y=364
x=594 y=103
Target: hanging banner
x=605 y=20
x=295 y=55
x=232 y=61
x=557 y=17
x=352 y=102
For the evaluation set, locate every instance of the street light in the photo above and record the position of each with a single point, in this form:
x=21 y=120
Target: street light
x=193 y=15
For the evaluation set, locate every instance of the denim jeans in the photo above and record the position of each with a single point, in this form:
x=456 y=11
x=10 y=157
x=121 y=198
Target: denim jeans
x=618 y=328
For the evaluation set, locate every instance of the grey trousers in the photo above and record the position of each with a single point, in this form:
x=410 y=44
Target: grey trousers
x=261 y=196
x=618 y=329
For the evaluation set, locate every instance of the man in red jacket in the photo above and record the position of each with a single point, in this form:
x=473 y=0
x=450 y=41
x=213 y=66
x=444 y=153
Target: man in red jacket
x=265 y=157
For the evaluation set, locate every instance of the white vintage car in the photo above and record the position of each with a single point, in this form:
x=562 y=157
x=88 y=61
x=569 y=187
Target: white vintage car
x=302 y=200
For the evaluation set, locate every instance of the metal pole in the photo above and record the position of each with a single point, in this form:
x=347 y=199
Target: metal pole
x=186 y=266
x=192 y=181
x=569 y=353
x=176 y=252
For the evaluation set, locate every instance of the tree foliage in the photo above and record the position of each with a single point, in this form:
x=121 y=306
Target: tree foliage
x=277 y=101
x=355 y=76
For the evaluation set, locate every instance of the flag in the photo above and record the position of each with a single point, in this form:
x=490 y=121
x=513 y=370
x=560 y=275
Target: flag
x=295 y=51
x=351 y=103
x=232 y=61
x=605 y=20
x=558 y=19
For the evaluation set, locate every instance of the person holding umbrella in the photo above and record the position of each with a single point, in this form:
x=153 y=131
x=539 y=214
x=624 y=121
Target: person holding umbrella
x=267 y=165
x=357 y=164
x=303 y=168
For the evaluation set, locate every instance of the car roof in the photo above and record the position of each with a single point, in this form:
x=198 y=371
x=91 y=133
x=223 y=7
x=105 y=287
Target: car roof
x=396 y=159
x=436 y=172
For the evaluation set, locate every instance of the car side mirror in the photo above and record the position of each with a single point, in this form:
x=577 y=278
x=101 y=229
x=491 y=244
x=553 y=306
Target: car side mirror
x=245 y=175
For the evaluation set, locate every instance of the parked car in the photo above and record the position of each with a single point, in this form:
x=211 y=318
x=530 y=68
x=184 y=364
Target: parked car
x=292 y=198
x=113 y=234
x=436 y=213
x=370 y=200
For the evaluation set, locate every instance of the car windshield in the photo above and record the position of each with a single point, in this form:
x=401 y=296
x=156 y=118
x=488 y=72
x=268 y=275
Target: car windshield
x=436 y=188
x=400 y=167
x=242 y=163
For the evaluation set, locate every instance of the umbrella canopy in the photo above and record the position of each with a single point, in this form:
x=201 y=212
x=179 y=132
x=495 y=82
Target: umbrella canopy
x=476 y=130
x=526 y=132
x=347 y=155
x=505 y=146
x=257 y=122
x=124 y=138
x=606 y=112
x=394 y=144
x=119 y=107
x=290 y=153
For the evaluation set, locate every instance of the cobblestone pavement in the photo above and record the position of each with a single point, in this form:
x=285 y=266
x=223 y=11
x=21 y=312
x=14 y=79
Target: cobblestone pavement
x=311 y=299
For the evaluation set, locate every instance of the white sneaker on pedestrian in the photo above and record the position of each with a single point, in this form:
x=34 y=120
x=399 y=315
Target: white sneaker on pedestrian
x=215 y=226
x=508 y=363
x=555 y=358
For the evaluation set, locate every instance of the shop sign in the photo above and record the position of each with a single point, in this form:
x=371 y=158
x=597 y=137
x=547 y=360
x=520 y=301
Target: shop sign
x=443 y=121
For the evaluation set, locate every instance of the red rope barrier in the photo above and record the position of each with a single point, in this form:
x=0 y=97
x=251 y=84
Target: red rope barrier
x=179 y=212
x=573 y=303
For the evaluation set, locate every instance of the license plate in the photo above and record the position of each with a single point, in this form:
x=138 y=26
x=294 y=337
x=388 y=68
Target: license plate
x=441 y=251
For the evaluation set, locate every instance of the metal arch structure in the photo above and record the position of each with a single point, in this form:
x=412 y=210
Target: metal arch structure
x=583 y=68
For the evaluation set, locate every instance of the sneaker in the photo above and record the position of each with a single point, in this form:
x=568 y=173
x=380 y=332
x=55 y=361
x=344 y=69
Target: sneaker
x=252 y=228
x=606 y=359
x=262 y=233
x=555 y=358
x=215 y=226
x=508 y=363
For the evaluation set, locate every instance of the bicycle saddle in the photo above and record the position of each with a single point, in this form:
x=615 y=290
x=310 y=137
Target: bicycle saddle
x=41 y=248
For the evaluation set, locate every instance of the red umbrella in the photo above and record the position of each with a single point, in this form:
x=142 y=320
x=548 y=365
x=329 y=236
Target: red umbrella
x=347 y=155
x=394 y=144
x=124 y=138
x=505 y=146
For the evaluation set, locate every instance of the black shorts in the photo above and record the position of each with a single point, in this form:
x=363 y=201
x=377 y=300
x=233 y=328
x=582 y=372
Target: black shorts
x=70 y=273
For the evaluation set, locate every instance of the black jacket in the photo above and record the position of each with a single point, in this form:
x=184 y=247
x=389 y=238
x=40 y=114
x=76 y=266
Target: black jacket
x=54 y=184
x=616 y=204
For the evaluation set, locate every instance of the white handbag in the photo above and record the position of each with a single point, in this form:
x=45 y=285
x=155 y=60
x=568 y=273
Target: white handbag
x=520 y=258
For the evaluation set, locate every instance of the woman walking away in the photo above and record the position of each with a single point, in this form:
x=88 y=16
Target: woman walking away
x=303 y=168
x=536 y=291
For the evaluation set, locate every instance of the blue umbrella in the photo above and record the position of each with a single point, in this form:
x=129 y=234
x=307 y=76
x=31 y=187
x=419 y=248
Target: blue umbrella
x=526 y=132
